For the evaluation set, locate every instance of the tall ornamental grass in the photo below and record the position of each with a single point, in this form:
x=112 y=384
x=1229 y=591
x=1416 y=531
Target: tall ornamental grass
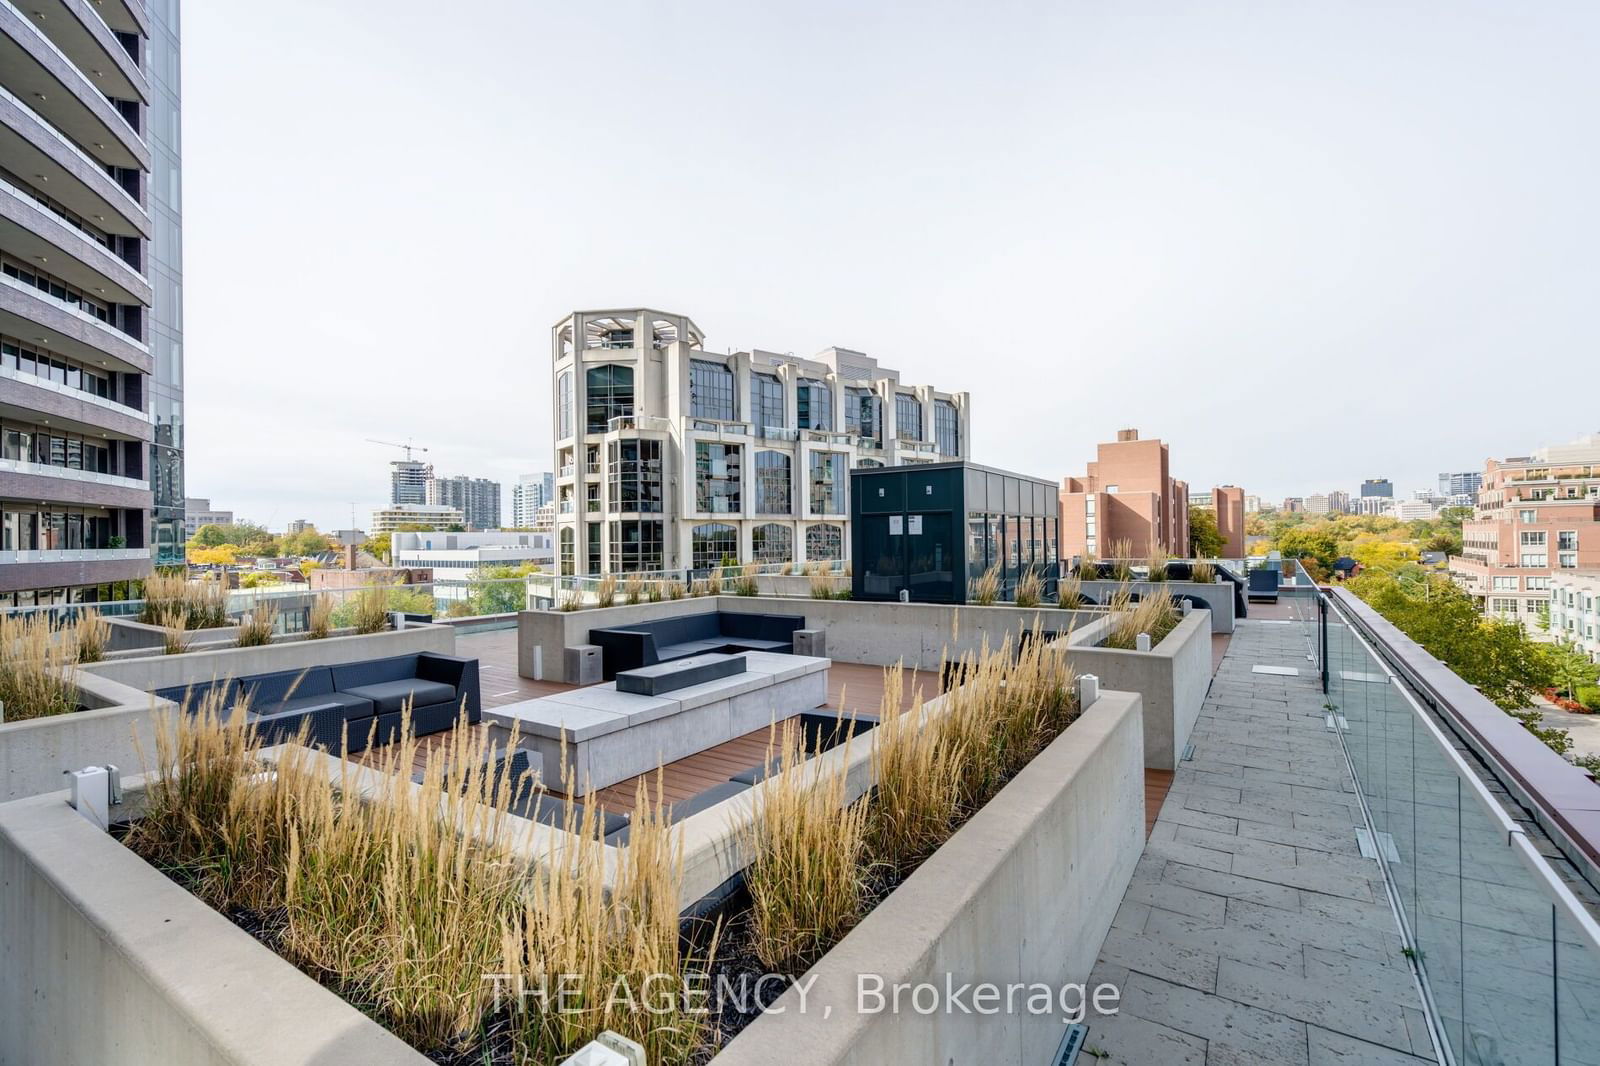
x=404 y=899
x=38 y=667
x=202 y=603
x=808 y=878
x=1156 y=615
x=817 y=861
x=256 y=627
x=90 y=635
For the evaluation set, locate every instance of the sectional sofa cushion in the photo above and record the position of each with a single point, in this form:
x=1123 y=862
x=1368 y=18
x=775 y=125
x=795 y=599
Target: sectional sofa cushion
x=392 y=696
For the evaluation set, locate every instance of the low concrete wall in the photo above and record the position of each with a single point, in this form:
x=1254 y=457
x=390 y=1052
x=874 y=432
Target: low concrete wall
x=105 y=960
x=875 y=633
x=1218 y=596
x=1025 y=892
x=918 y=634
x=121 y=723
x=163 y=671
x=210 y=643
x=128 y=635
x=1173 y=678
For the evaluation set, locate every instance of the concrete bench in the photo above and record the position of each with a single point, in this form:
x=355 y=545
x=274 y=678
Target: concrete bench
x=601 y=735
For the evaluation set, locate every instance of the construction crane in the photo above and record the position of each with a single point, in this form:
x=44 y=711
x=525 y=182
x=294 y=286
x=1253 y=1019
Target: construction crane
x=407 y=447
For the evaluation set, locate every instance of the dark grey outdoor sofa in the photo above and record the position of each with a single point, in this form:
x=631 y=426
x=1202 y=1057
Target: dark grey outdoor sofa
x=637 y=644
x=363 y=701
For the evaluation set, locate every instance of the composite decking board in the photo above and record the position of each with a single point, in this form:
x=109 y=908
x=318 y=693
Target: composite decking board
x=1157 y=783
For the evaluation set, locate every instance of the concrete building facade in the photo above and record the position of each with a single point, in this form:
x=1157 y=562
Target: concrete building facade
x=91 y=435
x=531 y=492
x=408 y=481
x=1575 y=610
x=1127 y=494
x=1538 y=516
x=673 y=457
x=477 y=498
x=198 y=512
x=459 y=559
x=386 y=520
x=1461 y=489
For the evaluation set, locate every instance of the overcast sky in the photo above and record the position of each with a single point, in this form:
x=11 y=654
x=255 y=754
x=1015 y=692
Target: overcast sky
x=1305 y=244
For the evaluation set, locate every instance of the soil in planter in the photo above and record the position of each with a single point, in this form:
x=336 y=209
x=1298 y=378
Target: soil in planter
x=736 y=966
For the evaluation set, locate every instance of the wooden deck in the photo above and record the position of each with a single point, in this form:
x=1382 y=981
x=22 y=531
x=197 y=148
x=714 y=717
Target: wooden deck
x=852 y=688
x=1157 y=783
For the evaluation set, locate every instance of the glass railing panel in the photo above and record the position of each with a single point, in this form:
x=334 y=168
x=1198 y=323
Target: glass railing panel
x=1509 y=957
x=1507 y=972
x=1577 y=971
x=1434 y=912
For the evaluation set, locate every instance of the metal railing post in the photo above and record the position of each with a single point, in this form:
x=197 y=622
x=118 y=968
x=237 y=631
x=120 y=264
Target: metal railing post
x=1322 y=628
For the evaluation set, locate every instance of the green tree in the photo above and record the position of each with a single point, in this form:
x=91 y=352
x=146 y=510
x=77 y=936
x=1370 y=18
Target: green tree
x=1569 y=666
x=399 y=598
x=1495 y=655
x=1205 y=540
x=306 y=542
x=1309 y=542
x=250 y=538
x=500 y=589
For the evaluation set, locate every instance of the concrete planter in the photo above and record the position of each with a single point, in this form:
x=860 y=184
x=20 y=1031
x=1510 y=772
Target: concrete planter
x=1173 y=678
x=209 y=640
x=120 y=720
x=1218 y=596
x=1025 y=892
x=129 y=636
x=163 y=671
x=918 y=634
x=103 y=959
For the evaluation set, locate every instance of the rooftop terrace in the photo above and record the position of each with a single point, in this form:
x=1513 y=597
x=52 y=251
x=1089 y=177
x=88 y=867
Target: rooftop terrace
x=1356 y=858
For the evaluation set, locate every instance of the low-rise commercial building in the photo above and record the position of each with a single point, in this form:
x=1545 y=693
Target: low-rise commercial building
x=457 y=560
x=199 y=512
x=387 y=520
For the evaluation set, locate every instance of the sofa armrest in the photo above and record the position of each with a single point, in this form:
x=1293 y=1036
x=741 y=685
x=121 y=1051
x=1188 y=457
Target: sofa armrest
x=460 y=674
x=624 y=649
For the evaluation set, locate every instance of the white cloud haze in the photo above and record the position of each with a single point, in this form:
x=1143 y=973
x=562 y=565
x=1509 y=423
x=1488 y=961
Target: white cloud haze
x=1305 y=244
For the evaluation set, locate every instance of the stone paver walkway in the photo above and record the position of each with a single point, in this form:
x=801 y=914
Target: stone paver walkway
x=1253 y=930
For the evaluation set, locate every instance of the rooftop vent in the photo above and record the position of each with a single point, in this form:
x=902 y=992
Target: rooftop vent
x=1127 y=434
